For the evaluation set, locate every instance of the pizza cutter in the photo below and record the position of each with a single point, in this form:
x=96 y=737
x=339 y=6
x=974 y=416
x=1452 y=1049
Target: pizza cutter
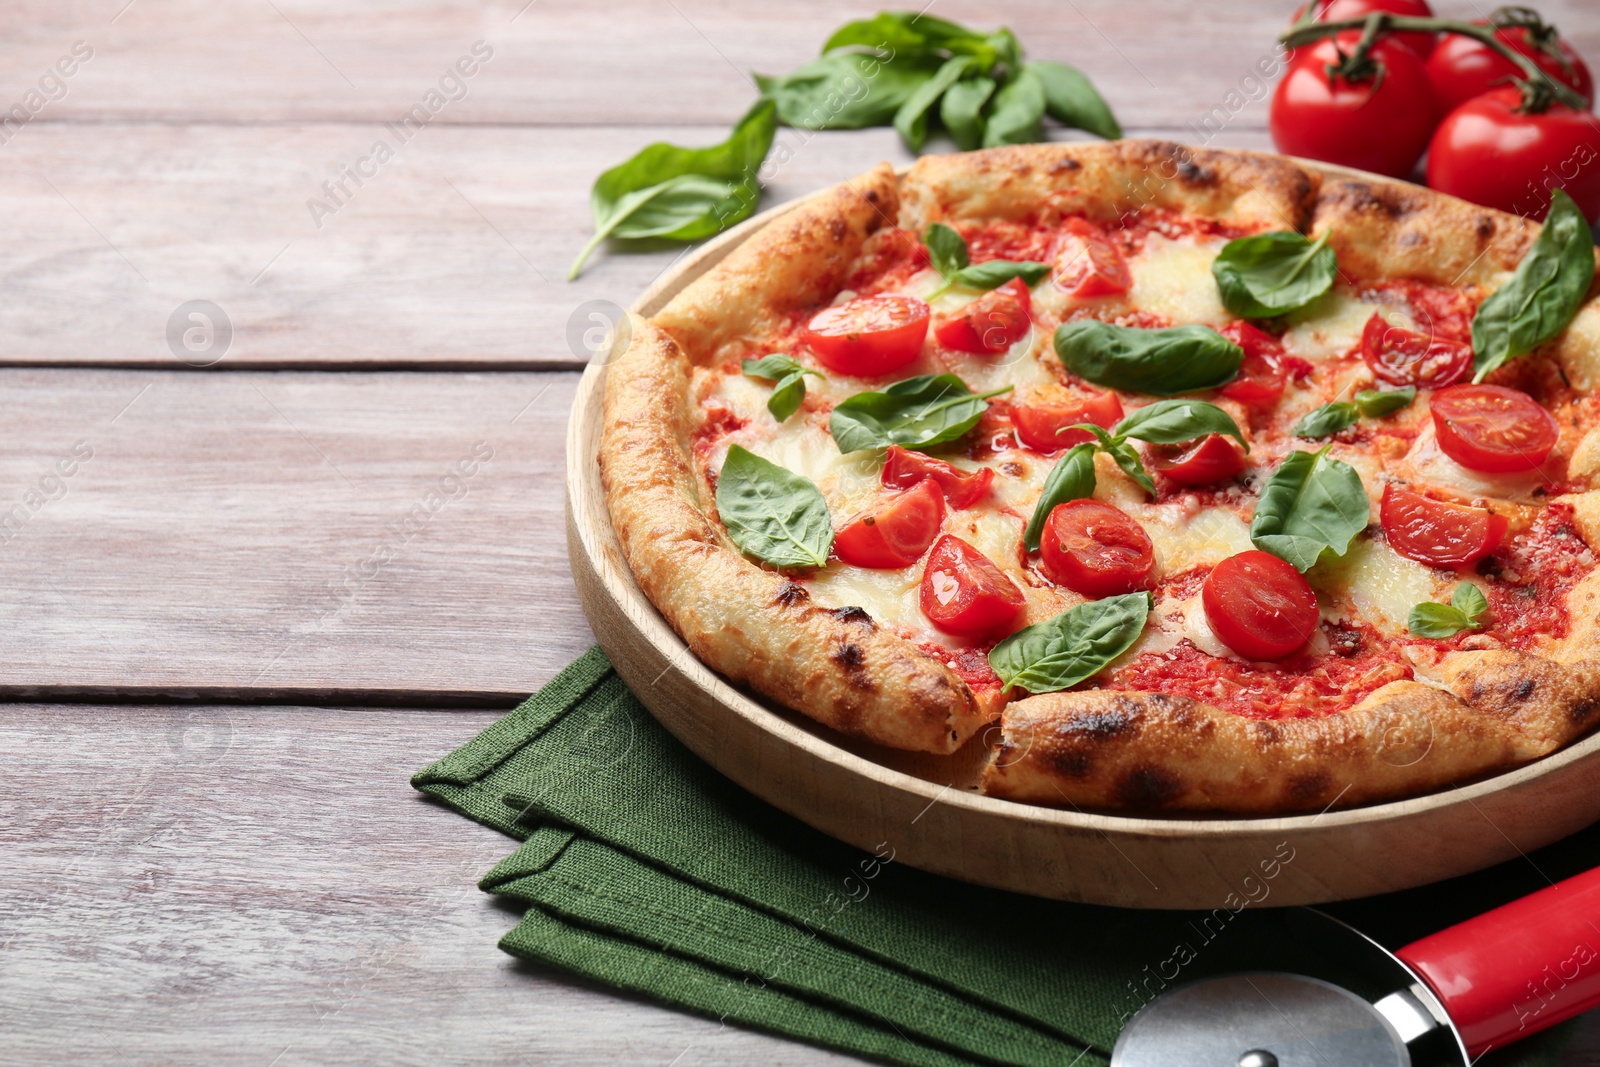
x=1446 y=999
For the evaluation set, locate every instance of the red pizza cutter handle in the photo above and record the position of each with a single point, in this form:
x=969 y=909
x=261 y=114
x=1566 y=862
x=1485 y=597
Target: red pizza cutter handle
x=1520 y=968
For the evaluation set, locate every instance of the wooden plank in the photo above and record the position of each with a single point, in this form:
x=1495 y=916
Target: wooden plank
x=284 y=535
x=455 y=255
x=249 y=886
x=628 y=62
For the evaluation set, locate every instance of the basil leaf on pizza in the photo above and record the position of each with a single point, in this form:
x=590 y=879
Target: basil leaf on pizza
x=1544 y=293
x=1312 y=504
x=1164 y=362
x=772 y=513
x=1327 y=420
x=1116 y=446
x=929 y=409
x=1467 y=605
x=947 y=252
x=947 y=249
x=789 y=374
x=1171 y=422
x=1072 y=478
x=1273 y=273
x=1073 y=646
x=1376 y=403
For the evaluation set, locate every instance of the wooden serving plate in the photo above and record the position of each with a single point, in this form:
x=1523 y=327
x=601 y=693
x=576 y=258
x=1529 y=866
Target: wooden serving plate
x=923 y=807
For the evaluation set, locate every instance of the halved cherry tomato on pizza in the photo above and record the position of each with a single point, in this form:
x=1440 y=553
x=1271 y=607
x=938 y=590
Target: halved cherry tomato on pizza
x=992 y=323
x=1088 y=263
x=895 y=533
x=1462 y=67
x=1259 y=605
x=1266 y=369
x=1338 y=10
x=1208 y=461
x=965 y=594
x=1381 y=123
x=1095 y=549
x=1493 y=429
x=1400 y=356
x=870 y=336
x=903 y=468
x=1042 y=424
x=1491 y=152
x=1436 y=532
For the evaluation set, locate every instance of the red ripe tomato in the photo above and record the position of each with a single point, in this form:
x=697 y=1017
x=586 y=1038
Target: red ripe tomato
x=1088 y=264
x=1379 y=124
x=1438 y=533
x=1095 y=549
x=1266 y=369
x=965 y=594
x=895 y=533
x=903 y=468
x=1259 y=605
x=1493 y=429
x=1403 y=357
x=1461 y=68
x=1038 y=421
x=1338 y=10
x=871 y=336
x=992 y=323
x=1208 y=461
x=1487 y=152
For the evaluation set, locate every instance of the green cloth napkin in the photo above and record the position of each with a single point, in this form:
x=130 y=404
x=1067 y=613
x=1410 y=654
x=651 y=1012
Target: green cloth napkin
x=643 y=868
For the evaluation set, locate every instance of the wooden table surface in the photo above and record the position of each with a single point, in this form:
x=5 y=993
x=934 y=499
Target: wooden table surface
x=230 y=635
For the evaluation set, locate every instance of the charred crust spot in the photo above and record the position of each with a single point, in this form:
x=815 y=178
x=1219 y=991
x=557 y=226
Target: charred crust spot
x=1305 y=788
x=790 y=594
x=1266 y=733
x=849 y=656
x=1523 y=689
x=1581 y=710
x=1485 y=229
x=1102 y=725
x=1065 y=165
x=1073 y=763
x=1193 y=173
x=852 y=614
x=1148 y=787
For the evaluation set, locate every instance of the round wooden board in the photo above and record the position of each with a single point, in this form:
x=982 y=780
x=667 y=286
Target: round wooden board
x=923 y=807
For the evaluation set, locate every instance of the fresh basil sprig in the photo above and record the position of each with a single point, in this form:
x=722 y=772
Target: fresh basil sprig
x=1312 y=504
x=682 y=194
x=899 y=67
x=1165 y=422
x=1467 y=605
x=772 y=513
x=1177 y=359
x=1075 y=645
x=918 y=412
x=1329 y=419
x=1546 y=290
x=790 y=377
x=1273 y=273
x=947 y=252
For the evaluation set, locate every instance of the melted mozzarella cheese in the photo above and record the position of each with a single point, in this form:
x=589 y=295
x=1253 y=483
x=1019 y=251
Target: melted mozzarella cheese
x=1173 y=278
x=1429 y=463
x=1183 y=541
x=1197 y=628
x=1381 y=585
x=1332 y=326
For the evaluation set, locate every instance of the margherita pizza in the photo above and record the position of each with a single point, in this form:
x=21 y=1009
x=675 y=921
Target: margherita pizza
x=1220 y=486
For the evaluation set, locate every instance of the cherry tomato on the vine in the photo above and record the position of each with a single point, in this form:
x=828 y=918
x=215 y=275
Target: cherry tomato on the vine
x=1489 y=152
x=1381 y=124
x=1338 y=10
x=1462 y=67
x=869 y=336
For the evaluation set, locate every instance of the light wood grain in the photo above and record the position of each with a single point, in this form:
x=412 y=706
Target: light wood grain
x=221 y=886
x=218 y=541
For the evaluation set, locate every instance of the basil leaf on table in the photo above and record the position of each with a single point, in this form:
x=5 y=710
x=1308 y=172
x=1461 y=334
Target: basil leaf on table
x=1177 y=359
x=911 y=121
x=906 y=31
x=1171 y=422
x=789 y=375
x=947 y=249
x=1072 y=100
x=1376 y=403
x=1546 y=290
x=961 y=111
x=1467 y=605
x=1272 y=273
x=1313 y=503
x=1016 y=115
x=1073 y=646
x=1327 y=420
x=1072 y=478
x=914 y=413
x=772 y=513
x=847 y=90
x=684 y=194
